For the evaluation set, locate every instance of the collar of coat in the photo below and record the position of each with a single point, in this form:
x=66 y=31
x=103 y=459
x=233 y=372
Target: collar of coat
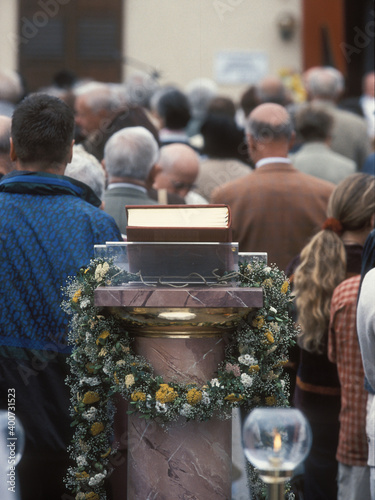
x=44 y=183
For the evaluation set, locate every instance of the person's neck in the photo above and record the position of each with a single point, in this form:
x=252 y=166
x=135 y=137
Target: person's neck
x=54 y=168
x=355 y=237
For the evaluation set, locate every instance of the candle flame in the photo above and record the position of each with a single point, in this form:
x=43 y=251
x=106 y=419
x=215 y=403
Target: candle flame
x=277 y=442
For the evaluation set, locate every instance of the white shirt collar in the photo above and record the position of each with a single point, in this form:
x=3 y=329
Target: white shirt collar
x=126 y=185
x=272 y=159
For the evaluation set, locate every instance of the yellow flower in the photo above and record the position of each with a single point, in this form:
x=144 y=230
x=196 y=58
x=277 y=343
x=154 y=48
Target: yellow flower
x=282 y=362
x=270 y=400
x=102 y=336
x=269 y=337
x=138 y=396
x=82 y=475
x=166 y=394
x=194 y=396
x=254 y=369
x=105 y=455
x=285 y=287
x=258 y=322
x=116 y=378
x=129 y=380
x=103 y=352
x=267 y=282
x=92 y=496
x=76 y=296
x=233 y=398
x=86 y=270
x=96 y=428
x=90 y=397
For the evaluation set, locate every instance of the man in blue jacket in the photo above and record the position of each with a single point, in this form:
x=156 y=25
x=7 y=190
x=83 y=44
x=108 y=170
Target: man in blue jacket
x=48 y=228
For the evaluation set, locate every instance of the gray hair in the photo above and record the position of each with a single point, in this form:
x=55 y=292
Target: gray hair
x=11 y=88
x=269 y=132
x=98 y=96
x=140 y=88
x=200 y=93
x=325 y=82
x=131 y=152
x=86 y=168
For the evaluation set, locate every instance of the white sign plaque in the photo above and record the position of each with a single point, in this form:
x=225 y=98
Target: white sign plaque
x=238 y=67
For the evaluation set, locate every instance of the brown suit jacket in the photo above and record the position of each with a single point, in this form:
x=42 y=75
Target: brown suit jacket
x=275 y=209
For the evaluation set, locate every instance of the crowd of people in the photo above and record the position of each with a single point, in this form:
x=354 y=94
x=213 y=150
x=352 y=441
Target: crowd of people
x=299 y=178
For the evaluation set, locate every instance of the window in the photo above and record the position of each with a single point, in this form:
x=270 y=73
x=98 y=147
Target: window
x=83 y=36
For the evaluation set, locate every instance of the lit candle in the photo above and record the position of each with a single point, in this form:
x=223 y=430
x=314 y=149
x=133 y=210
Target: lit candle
x=275 y=460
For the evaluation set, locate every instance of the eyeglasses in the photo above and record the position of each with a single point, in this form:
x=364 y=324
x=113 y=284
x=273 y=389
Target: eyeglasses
x=179 y=186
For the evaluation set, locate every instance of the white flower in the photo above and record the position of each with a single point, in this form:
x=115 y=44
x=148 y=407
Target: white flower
x=120 y=362
x=205 y=398
x=98 y=478
x=215 y=382
x=90 y=414
x=273 y=310
x=246 y=380
x=267 y=270
x=89 y=381
x=247 y=360
x=81 y=460
x=101 y=270
x=162 y=407
x=282 y=384
x=107 y=369
x=186 y=410
x=85 y=303
x=93 y=381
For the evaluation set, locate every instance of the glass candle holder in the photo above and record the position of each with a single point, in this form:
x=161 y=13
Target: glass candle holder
x=276 y=441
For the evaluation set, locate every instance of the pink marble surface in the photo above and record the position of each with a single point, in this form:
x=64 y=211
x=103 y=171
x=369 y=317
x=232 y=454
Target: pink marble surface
x=190 y=461
x=183 y=360
x=191 y=297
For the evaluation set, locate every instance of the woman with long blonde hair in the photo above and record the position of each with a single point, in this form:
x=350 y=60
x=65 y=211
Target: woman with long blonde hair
x=331 y=256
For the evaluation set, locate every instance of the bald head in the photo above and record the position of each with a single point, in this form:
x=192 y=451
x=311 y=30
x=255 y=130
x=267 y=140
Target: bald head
x=269 y=131
x=272 y=89
x=95 y=104
x=6 y=165
x=178 y=169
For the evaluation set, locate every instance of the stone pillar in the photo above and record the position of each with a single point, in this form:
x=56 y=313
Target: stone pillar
x=188 y=460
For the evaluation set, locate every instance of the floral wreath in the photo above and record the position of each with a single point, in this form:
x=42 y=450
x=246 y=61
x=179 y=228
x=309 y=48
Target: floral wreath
x=103 y=363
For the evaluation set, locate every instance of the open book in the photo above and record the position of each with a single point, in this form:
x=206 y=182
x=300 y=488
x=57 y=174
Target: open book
x=179 y=223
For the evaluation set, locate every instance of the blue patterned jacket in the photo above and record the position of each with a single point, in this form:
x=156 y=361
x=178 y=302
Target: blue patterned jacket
x=49 y=225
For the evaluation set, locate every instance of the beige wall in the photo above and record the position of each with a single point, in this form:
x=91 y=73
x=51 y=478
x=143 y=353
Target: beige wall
x=8 y=31
x=181 y=37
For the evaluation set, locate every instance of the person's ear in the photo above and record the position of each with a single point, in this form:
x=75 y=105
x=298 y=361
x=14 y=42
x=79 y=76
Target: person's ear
x=70 y=154
x=292 y=140
x=12 y=153
x=153 y=174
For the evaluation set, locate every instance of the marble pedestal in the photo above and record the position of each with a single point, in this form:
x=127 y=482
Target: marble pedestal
x=182 y=332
